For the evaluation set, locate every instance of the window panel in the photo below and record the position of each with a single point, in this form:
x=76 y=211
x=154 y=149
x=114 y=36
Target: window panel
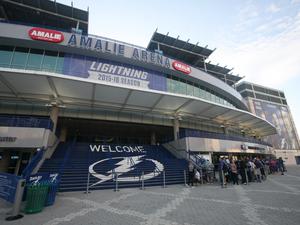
x=20 y=58
x=60 y=63
x=49 y=61
x=35 y=58
x=6 y=53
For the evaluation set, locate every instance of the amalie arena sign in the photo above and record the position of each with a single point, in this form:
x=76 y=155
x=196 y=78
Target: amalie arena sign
x=43 y=34
x=103 y=45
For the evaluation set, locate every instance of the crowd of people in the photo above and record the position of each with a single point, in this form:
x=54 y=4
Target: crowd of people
x=238 y=171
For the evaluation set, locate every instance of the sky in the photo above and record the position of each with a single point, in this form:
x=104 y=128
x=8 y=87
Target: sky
x=259 y=39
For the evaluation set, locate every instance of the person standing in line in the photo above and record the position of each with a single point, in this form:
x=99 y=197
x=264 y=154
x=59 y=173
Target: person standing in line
x=280 y=165
x=243 y=166
x=258 y=166
x=191 y=174
x=234 y=172
x=221 y=171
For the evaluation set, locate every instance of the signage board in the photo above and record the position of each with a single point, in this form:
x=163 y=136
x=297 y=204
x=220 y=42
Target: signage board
x=181 y=67
x=48 y=35
x=8 y=186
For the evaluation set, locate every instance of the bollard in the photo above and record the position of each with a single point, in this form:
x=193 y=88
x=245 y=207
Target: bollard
x=143 y=185
x=17 y=203
x=164 y=179
x=116 y=180
x=88 y=184
x=184 y=175
x=246 y=174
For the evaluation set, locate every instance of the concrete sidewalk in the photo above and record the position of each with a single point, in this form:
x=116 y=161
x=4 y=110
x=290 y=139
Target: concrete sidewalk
x=275 y=201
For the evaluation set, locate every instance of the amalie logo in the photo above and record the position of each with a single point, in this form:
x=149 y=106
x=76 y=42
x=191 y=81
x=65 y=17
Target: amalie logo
x=43 y=34
x=181 y=67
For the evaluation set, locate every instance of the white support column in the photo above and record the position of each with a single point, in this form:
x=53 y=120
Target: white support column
x=63 y=134
x=54 y=116
x=176 y=128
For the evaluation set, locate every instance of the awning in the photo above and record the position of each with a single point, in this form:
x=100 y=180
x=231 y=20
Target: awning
x=19 y=86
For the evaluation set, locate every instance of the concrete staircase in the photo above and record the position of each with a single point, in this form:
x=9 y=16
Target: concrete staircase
x=131 y=163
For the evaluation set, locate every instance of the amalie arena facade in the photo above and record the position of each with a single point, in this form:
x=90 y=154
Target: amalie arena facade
x=61 y=87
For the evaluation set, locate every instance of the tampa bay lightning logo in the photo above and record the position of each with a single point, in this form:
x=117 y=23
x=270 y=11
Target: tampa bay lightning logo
x=127 y=168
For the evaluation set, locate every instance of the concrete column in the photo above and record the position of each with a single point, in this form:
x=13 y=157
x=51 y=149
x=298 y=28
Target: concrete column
x=63 y=134
x=176 y=128
x=225 y=129
x=54 y=116
x=153 y=138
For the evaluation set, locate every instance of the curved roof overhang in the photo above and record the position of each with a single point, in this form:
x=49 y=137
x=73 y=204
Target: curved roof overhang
x=36 y=87
x=17 y=35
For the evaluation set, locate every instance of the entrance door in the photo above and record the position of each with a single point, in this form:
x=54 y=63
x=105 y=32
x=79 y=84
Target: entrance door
x=24 y=161
x=13 y=162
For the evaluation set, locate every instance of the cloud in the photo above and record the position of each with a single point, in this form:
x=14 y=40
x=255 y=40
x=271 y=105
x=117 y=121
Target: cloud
x=295 y=2
x=273 y=8
x=267 y=60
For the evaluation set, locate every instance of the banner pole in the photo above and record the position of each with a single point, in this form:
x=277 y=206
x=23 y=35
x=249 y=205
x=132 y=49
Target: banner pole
x=18 y=200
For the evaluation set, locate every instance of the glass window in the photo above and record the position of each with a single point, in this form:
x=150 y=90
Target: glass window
x=190 y=89
x=20 y=58
x=182 y=87
x=176 y=87
x=202 y=93
x=207 y=95
x=49 y=61
x=35 y=59
x=169 y=85
x=212 y=96
x=222 y=101
x=197 y=92
x=6 y=53
x=60 y=63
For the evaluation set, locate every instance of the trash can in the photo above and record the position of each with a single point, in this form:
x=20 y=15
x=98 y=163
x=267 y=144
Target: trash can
x=51 y=194
x=36 y=197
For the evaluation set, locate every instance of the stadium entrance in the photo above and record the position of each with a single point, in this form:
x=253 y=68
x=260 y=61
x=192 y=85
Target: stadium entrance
x=236 y=156
x=109 y=132
x=14 y=161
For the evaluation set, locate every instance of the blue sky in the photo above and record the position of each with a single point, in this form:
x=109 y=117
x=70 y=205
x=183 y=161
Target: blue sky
x=259 y=39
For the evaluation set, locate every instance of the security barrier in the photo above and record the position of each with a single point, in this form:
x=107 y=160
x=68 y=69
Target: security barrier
x=53 y=187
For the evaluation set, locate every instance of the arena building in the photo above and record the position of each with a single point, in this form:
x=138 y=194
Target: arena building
x=77 y=94
x=271 y=104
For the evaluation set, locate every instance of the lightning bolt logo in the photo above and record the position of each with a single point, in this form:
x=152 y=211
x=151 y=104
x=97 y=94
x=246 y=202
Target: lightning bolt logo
x=126 y=165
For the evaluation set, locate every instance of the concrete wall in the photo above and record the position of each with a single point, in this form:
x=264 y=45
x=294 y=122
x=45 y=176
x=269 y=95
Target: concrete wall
x=288 y=156
x=217 y=145
x=25 y=137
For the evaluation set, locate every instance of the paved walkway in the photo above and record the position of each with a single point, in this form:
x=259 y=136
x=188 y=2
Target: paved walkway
x=275 y=201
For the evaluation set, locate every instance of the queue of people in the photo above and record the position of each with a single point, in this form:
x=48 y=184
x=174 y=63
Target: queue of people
x=240 y=171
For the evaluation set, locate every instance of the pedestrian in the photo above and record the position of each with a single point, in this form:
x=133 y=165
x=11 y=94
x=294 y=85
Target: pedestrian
x=222 y=168
x=243 y=166
x=191 y=174
x=234 y=172
x=281 y=165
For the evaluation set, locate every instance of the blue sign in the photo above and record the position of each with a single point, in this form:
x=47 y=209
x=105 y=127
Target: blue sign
x=8 y=186
x=110 y=72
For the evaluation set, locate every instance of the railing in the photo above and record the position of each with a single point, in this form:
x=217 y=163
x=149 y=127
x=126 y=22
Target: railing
x=33 y=163
x=115 y=182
